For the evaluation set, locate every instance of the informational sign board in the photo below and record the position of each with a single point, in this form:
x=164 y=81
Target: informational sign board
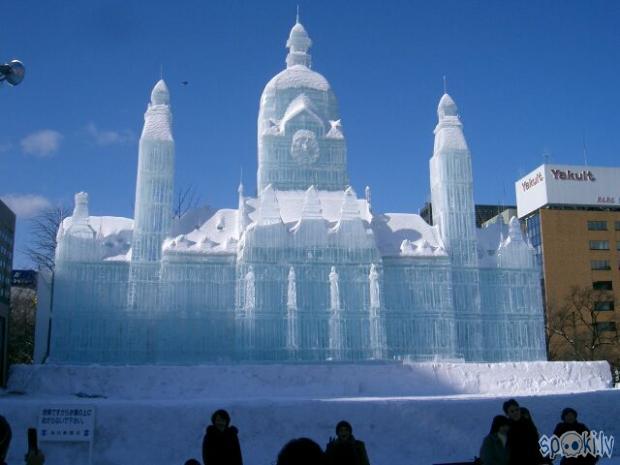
x=67 y=423
x=568 y=185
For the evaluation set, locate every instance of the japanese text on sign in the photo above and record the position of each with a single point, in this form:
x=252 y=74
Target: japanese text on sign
x=67 y=423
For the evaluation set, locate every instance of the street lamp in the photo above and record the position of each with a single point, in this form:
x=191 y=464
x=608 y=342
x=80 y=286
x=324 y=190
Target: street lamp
x=12 y=72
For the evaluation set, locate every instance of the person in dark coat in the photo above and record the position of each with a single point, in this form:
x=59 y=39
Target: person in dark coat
x=5 y=438
x=522 y=437
x=301 y=451
x=345 y=449
x=220 y=445
x=527 y=417
x=569 y=423
x=494 y=449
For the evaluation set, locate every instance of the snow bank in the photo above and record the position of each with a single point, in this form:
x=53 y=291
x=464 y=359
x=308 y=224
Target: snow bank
x=310 y=381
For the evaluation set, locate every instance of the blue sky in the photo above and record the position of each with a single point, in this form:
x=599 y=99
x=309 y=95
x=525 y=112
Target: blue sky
x=528 y=77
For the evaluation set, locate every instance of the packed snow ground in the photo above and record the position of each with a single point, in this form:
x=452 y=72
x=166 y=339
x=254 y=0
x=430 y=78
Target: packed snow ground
x=408 y=414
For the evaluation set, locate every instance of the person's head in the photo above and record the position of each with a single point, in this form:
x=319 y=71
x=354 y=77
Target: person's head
x=301 y=451
x=500 y=425
x=569 y=415
x=192 y=462
x=525 y=414
x=344 y=430
x=220 y=419
x=512 y=410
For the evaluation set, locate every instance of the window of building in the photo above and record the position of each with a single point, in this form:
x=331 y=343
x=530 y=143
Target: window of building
x=600 y=265
x=602 y=286
x=617 y=225
x=597 y=225
x=606 y=306
x=606 y=326
x=532 y=229
x=599 y=245
x=617 y=245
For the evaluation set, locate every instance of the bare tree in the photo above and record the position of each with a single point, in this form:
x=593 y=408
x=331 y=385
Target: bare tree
x=186 y=199
x=21 y=322
x=43 y=231
x=578 y=331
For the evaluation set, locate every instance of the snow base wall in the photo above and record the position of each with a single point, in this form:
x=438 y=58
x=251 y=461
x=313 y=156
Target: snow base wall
x=309 y=381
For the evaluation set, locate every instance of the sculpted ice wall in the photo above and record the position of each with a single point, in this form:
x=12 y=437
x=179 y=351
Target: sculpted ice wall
x=512 y=311
x=304 y=271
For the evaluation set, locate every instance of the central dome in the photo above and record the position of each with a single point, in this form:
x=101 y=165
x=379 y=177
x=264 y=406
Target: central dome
x=296 y=150
x=297 y=76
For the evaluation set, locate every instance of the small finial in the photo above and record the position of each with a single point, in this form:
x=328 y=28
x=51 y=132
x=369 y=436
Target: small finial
x=240 y=188
x=297 y=16
x=445 y=85
x=161 y=71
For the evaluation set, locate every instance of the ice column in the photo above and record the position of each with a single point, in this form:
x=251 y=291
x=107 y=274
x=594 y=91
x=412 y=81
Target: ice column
x=373 y=280
x=250 y=291
x=452 y=198
x=377 y=331
x=240 y=212
x=334 y=290
x=292 y=333
x=336 y=340
x=249 y=314
x=153 y=207
x=368 y=197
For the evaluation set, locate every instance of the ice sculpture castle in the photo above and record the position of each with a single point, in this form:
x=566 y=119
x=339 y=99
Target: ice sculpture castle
x=307 y=270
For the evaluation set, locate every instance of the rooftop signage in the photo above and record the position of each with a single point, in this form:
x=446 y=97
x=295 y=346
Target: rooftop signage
x=567 y=185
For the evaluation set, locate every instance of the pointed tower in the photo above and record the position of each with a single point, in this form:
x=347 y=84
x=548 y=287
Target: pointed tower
x=452 y=191
x=300 y=138
x=452 y=197
x=78 y=242
x=154 y=192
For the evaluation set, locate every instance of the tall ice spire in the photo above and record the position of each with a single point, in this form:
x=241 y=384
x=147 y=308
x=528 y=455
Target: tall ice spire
x=154 y=192
x=452 y=198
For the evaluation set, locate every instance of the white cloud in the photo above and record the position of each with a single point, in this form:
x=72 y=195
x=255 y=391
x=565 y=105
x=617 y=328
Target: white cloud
x=104 y=137
x=26 y=205
x=41 y=143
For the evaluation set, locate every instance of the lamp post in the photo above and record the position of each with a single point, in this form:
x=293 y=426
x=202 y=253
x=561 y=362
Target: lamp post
x=12 y=72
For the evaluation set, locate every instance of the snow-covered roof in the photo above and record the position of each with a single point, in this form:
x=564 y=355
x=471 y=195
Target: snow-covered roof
x=207 y=231
x=214 y=232
x=297 y=76
x=204 y=231
x=113 y=233
x=406 y=234
x=291 y=205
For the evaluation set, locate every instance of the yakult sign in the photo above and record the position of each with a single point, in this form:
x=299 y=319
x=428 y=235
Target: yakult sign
x=567 y=185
